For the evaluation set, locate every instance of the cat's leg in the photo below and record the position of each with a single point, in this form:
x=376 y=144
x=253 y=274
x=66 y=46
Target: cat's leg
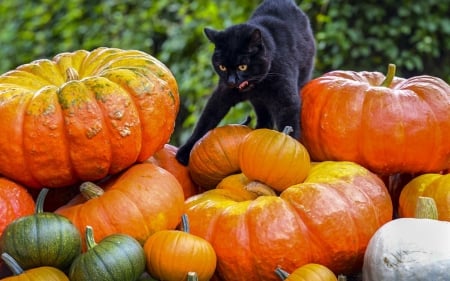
x=216 y=108
x=263 y=115
x=286 y=109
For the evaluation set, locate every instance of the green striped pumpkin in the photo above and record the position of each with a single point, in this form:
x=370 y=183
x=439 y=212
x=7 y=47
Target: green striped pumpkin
x=41 y=239
x=115 y=257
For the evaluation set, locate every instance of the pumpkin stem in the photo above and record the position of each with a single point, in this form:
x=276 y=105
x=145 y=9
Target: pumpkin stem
x=281 y=273
x=12 y=264
x=426 y=208
x=89 y=236
x=389 y=76
x=40 y=200
x=287 y=130
x=260 y=189
x=192 y=276
x=185 y=223
x=342 y=277
x=90 y=190
x=71 y=74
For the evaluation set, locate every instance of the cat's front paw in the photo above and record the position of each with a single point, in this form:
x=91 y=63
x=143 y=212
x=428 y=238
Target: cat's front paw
x=183 y=154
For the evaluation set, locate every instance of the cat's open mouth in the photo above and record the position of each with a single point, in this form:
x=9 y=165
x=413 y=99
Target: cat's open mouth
x=245 y=86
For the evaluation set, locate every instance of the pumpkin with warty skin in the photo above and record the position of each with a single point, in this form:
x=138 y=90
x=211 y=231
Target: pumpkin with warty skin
x=43 y=273
x=84 y=115
x=15 y=202
x=165 y=158
x=387 y=124
x=142 y=200
x=116 y=257
x=327 y=219
x=307 y=272
x=431 y=185
x=41 y=239
x=283 y=163
x=216 y=155
x=172 y=254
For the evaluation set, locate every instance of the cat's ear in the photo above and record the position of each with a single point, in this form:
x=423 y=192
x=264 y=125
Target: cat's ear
x=211 y=34
x=255 y=39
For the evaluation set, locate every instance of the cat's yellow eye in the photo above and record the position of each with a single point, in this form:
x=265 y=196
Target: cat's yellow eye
x=242 y=67
x=222 y=67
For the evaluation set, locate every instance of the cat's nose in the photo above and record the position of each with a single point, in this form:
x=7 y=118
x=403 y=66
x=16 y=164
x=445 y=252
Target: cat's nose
x=232 y=81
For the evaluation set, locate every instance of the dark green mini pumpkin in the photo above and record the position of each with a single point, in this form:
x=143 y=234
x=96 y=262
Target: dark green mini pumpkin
x=116 y=257
x=42 y=239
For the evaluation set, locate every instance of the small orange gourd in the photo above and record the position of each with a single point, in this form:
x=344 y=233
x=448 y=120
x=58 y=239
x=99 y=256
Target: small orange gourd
x=215 y=155
x=43 y=273
x=172 y=254
x=307 y=272
x=274 y=158
x=431 y=185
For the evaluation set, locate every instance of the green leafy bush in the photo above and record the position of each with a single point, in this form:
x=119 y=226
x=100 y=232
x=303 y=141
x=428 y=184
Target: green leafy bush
x=356 y=35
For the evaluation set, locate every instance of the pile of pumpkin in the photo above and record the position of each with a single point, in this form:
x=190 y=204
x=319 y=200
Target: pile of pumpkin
x=251 y=205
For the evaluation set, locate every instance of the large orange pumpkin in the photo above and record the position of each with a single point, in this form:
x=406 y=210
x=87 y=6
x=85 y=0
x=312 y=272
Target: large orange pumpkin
x=431 y=185
x=84 y=115
x=142 y=200
x=387 y=124
x=328 y=219
x=15 y=202
x=216 y=155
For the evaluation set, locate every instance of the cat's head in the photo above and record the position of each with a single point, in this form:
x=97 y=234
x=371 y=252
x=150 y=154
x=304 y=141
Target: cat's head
x=240 y=56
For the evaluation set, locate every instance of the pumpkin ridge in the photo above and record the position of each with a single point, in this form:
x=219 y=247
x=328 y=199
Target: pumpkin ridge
x=84 y=124
x=46 y=70
x=127 y=196
x=100 y=262
x=120 y=122
x=44 y=115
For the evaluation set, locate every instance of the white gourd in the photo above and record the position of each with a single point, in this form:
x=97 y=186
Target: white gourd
x=409 y=249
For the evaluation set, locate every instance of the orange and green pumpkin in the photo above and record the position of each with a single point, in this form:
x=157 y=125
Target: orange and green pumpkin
x=84 y=115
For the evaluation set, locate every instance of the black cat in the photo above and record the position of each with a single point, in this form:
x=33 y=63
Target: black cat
x=265 y=61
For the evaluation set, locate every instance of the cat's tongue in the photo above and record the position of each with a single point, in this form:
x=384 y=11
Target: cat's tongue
x=243 y=85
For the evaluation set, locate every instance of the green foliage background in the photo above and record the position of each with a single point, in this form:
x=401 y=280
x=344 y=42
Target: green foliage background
x=350 y=35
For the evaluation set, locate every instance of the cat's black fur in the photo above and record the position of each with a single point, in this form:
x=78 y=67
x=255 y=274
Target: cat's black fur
x=277 y=47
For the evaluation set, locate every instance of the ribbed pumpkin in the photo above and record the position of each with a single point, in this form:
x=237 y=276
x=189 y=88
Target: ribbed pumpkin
x=41 y=239
x=43 y=273
x=328 y=219
x=115 y=257
x=84 y=115
x=15 y=202
x=436 y=186
x=274 y=158
x=165 y=158
x=387 y=124
x=172 y=254
x=216 y=155
x=307 y=272
x=140 y=201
